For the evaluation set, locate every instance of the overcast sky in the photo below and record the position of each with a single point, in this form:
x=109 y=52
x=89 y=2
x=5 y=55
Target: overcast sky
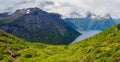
x=65 y=7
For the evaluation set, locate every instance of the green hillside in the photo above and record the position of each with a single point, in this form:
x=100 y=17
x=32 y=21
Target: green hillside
x=104 y=47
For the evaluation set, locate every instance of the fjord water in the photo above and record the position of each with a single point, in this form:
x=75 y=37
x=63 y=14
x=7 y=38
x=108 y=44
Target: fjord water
x=86 y=34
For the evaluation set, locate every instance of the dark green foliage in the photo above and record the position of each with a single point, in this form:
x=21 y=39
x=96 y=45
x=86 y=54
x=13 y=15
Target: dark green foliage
x=118 y=26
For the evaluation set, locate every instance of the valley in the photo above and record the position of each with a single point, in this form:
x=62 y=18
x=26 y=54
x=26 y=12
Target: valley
x=103 y=47
x=35 y=35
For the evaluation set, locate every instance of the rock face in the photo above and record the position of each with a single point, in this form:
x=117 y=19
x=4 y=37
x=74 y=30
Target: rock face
x=39 y=26
x=91 y=22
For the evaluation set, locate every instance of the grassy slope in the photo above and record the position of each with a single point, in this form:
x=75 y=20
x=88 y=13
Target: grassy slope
x=104 y=47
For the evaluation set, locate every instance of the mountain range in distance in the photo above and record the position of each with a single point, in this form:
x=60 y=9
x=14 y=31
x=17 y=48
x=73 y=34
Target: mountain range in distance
x=34 y=35
x=36 y=25
x=91 y=22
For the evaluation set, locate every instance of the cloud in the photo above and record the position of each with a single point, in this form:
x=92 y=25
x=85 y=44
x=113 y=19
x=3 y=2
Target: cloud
x=65 y=7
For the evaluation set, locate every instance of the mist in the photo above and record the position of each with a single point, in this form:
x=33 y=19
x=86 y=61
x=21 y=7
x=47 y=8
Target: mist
x=65 y=7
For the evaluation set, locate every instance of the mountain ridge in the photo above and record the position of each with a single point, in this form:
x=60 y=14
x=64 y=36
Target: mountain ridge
x=40 y=26
x=91 y=22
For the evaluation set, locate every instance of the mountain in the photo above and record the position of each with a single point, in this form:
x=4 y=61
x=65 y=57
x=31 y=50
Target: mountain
x=117 y=20
x=71 y=24
x=91 y=22
x=7 y=18
x=4 y=14
x=36 y=25
x=103 y=47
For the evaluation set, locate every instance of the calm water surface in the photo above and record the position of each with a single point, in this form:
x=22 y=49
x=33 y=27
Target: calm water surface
x=86 y=34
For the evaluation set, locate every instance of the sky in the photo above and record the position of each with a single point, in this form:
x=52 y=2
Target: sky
x=65 y=7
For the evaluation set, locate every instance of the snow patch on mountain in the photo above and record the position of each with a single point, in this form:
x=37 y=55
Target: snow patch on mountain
x=28 y=11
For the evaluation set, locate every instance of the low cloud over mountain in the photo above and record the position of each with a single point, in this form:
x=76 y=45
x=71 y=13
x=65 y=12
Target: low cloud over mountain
x=65 y=7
